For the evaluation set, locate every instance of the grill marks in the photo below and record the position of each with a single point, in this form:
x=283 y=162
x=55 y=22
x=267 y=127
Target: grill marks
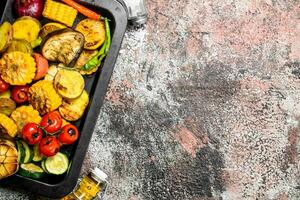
x=63 y=45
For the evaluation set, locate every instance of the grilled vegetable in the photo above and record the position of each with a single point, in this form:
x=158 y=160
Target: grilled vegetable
x=68 y=83
x=8 y=158
x=5 y=94
x=69 y=134
x=36 y=154
x=53 y=69
x=49 y=28
x=32 y=133
x=7 y=106
x=51 y=122
x=7 y=126
x=17 y=68
x=26 y=28
x=83 y=10
x=93 y=31
x=21 y=151
x=41 y=66
x=57 y=164
x=3 y=86
x=28 y=152
x=33 y=8
x=43 y=166
x=25 y=152
x=64 y=122
x=49 y=146
x=8 y=142
x=97 y=59
x=20 y=93
x=84 y=57
x=63 y=45
x=6 y=33
x=43 y=97
x=31 y=170
x=73 y=109
x=37 y=42
x=20 y=45
x=25 y=114
x=60 y=12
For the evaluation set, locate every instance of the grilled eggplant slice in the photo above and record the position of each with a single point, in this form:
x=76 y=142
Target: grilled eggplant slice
x=49 y=28
x=63 y=46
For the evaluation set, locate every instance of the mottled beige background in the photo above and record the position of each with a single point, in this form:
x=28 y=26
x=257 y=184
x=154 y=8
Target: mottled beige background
x=204 y=104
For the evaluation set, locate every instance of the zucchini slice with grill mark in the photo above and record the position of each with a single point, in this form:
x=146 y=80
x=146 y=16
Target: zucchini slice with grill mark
x=57 y=164
x=36 y=154
x=31 y=170
x=28 y=152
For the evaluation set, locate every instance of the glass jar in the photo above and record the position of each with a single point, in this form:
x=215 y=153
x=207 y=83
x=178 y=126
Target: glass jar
x=137 y=12
x=92 y=185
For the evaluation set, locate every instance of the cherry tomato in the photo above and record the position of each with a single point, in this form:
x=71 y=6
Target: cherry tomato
x=19 y=93
x=49 y=146
x=32 y=134
x=51 y=122
x=41 y=66
x=3 y=85
x=69 y=134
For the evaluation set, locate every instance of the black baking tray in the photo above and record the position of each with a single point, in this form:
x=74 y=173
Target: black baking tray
x=96 y=85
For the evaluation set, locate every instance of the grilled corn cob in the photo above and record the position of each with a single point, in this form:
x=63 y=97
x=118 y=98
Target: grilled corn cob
x=43 y=97
x=25 y=114
x=60 y=12
x=7 y=126
x=17 y=68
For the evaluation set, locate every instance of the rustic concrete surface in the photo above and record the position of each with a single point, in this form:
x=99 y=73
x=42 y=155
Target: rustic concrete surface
x=204 y=103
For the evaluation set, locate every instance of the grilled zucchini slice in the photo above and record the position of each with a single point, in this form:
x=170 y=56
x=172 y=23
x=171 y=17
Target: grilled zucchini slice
x=26 y=28
x=93 y=31
x=57 y=164
x=6 y=33
x=68 y=83
x=73 y=109
x=20 y=45
x=28 y=152
x=31 y=170
x=36 y=154
x=21 y=151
